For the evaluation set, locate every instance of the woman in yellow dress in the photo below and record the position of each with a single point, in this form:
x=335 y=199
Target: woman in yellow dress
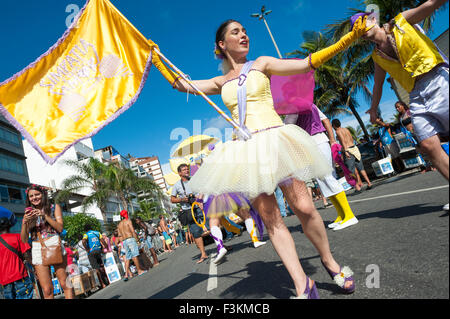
x=276 y=154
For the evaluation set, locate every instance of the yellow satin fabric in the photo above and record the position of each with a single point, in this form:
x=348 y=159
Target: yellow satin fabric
x=417 y=54
x=73 y=91
x=168 y=74
x=322 y=56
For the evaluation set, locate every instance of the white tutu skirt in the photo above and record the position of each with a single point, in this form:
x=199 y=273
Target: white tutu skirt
x=258 y=165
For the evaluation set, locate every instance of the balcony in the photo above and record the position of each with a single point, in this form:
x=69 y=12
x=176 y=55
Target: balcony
x=83 y=151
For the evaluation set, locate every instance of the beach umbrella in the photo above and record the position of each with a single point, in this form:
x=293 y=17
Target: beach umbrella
x=193 y=145
x=171 y=178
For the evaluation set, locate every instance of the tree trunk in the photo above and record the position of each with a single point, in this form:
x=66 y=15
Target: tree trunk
x=355 y=113
x=361 y=123
x=102 y=210
x=130 y=202
x=101 y=207
x=124 y=202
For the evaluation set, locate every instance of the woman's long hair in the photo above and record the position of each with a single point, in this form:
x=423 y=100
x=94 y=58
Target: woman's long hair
x=46 y=205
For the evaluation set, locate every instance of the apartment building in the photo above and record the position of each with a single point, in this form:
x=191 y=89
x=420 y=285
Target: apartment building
x=109 y=155
x=13 y=171
x=152 y=167
x=138 y=170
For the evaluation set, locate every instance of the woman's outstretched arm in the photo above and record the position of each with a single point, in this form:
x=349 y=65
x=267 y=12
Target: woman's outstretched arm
x=275 y=66
x=209 y=87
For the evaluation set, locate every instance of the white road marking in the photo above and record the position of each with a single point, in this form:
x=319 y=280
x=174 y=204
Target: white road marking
x=399 y=194
x=212 y=280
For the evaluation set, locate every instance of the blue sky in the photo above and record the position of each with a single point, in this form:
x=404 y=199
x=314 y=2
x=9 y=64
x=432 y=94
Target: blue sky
x=184 y=31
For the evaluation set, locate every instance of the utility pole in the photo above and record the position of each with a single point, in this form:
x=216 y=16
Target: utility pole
x=261 y=16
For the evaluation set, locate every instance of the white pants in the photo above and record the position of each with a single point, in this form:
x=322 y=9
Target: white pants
x=429 y=104
x=329 y=185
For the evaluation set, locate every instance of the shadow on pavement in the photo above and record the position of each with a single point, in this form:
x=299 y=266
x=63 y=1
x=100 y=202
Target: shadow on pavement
x=444 y=215
x=402 y=212
x=256 y=284
x=180 y=287
x=266 y=279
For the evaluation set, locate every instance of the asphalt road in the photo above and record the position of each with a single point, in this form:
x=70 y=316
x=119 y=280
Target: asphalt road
x=398 y=250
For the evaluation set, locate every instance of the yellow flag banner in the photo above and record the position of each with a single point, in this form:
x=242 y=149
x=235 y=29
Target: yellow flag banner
x=93 y=74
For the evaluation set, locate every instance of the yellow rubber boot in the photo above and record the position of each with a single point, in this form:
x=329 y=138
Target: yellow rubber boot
x=343 y=202
x=340 y=217
x=349 y=217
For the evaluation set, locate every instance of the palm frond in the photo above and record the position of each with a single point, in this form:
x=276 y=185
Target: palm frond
x=76 y=182
x=322 y=99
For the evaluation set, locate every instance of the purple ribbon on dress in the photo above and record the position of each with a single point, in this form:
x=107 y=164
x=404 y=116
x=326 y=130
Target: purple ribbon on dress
x=255 y=215
x=220 y=243
x=242 y=100
x=258 y=222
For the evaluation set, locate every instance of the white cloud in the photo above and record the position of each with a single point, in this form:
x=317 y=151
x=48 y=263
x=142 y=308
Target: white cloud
x=353 y=122
x=217 y=122
x=297 y=5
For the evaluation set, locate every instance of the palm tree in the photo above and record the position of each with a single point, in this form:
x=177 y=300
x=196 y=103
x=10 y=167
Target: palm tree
x=150 y=209
x=356 y=133
x=125 y=185
x=91 y=177
x=395 y=119
x=341 y=78
x=324 y=97
x=110 y=227
x=373 y=128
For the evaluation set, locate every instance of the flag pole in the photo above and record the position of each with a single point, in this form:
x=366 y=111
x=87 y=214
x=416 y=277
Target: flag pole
x=222 y=113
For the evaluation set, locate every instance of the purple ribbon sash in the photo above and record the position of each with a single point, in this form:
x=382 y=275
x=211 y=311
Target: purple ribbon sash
x=242 y=99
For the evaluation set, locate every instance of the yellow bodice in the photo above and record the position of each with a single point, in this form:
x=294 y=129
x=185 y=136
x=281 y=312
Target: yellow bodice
x=260 y=110
x=417 y=54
